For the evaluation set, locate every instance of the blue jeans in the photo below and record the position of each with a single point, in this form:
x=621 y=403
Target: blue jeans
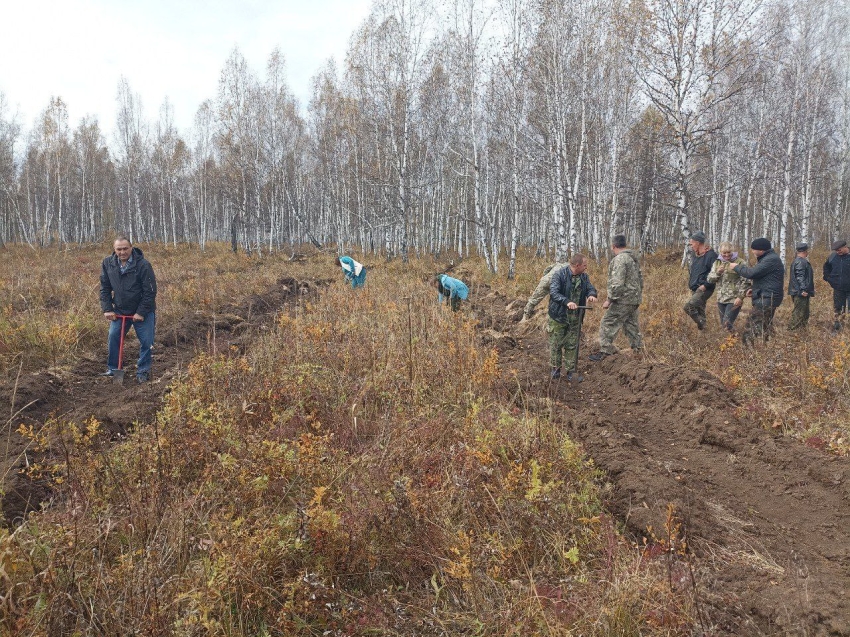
x=144 y=332
x=728 y=314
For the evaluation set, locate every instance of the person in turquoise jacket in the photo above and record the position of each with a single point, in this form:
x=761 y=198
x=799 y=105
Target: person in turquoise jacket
x=353 y=271
x=453 y=289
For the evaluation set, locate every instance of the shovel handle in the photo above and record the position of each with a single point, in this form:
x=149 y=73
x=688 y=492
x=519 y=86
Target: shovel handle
x=123 y=318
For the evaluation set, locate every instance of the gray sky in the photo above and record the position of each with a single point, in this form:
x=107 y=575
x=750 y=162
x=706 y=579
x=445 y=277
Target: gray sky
x=78 y=50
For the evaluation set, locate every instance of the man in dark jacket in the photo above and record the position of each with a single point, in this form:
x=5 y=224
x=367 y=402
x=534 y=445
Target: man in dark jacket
x=801 y=287
x=569 y=291
x=128 y=288
x=703 y=258
x=836 y=272
x=768 y=277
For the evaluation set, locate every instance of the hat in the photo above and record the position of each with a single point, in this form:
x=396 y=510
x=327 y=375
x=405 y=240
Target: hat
x=699 y=236
x=838 y=244
x=802 y=247
x=760 y=244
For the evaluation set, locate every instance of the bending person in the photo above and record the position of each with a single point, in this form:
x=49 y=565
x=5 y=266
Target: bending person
x=454 y=290
x=542 y=289
x=354 y=272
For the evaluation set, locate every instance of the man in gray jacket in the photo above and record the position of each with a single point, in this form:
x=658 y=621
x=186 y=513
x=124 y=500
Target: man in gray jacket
x=768 y=277
x=625 y=293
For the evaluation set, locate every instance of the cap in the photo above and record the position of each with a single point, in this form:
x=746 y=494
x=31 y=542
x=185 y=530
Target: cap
x=699 y=236
x=760 y=244
x=838 y=244
x=802 y=247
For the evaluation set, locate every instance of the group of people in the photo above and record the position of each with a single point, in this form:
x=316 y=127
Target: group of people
x=571 y=293
x=733 y=280
x=128 y=296
x=452 y=290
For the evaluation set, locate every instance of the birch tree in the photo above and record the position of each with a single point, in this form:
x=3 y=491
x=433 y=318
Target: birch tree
x=686 y=49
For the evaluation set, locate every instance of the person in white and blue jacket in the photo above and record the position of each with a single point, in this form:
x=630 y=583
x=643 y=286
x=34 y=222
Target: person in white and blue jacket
x=454 y=290
x=354 y=272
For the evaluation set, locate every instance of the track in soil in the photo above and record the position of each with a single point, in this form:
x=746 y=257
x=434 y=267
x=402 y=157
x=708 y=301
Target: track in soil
x=79 y=394
x=766 y=517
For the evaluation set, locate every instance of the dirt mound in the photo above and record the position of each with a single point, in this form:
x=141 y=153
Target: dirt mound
x=765 y=517
x=79 y=394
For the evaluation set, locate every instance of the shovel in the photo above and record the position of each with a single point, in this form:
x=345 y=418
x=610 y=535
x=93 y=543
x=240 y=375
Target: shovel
x=118 y=374
x=578 y=377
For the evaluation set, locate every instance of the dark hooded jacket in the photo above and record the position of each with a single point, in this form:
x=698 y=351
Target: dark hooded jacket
x=801 y=278
x=133 y=292
x=700 y=268
x=562 y=281
x=768 y=277
x=836 y=271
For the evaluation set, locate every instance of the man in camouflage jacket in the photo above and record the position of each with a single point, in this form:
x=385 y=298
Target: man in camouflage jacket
x=625 y=293
x=542 y=289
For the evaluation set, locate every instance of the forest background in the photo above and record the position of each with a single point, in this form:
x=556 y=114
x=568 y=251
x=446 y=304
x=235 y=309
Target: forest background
x=476 y=128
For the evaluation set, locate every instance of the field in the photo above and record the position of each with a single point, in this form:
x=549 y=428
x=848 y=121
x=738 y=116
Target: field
x=316 y=460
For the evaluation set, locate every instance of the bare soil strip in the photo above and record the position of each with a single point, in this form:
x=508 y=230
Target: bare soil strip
x=766 y=517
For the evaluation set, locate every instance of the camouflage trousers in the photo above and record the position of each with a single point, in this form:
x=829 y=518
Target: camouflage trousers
x=759 y=324
x=800 y=313
x=620 y=316
x=563 y=343
x=695 y=307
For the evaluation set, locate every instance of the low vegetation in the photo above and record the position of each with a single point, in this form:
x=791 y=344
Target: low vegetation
x=355 y=470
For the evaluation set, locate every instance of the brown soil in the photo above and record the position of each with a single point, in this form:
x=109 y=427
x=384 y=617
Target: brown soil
x=78 y=394
x=766 y=517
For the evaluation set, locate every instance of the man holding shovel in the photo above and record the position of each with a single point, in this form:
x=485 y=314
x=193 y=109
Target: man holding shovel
x=128 y=299
x=625 y=293
x=569 y=294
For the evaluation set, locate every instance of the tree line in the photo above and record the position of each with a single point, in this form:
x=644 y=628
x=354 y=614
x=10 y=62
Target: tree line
x=476 y=127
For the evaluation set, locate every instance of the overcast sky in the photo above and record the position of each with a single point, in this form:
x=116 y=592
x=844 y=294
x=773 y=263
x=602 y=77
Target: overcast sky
x=79 y=49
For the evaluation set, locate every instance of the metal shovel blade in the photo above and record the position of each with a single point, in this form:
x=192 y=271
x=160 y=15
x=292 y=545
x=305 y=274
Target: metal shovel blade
x=118 y=376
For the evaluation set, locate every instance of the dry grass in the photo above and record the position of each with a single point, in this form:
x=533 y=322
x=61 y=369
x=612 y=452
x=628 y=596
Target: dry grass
x=353 y=473
x=49 y=299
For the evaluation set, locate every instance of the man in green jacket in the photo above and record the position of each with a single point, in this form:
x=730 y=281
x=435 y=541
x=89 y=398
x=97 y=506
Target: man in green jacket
x=625 y=293
x=542 y=289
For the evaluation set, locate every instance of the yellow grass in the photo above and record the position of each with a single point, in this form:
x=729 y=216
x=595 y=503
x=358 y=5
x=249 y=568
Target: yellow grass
x=353 y=472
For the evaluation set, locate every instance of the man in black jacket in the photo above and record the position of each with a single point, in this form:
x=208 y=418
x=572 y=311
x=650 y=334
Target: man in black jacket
x=836 y=272
x=704 y=257
x=128 y=288
x=768 y=277
x=801 y=287
x=570 y=289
